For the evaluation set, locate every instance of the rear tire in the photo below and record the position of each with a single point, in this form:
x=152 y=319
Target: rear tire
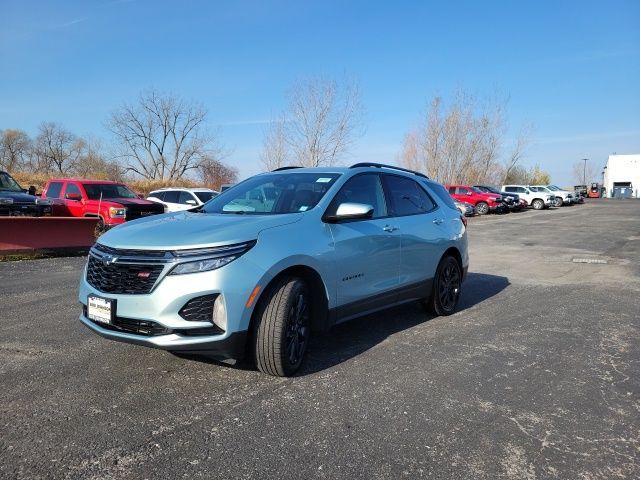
x=447 y=285
x=283 y=328
x=482 y=208
x=537 y=204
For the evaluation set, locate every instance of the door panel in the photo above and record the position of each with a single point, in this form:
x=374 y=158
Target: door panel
x=367 y=259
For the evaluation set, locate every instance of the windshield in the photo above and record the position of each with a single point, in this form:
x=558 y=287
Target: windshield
x=274 y=193
x=95 y=191
x=205 y=196
x=8 y=183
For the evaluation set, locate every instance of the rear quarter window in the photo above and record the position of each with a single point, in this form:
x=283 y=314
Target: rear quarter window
x=441 y=194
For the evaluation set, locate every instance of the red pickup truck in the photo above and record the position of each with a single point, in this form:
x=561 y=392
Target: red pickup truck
x=113 y=203
x=484 y=202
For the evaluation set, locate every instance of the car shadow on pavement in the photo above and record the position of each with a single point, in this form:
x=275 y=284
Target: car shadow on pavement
x=350 y=339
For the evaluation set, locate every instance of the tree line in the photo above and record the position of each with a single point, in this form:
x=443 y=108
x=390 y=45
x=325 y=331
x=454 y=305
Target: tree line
x=164 y=138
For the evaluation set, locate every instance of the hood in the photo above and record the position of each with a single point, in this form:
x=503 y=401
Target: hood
x=18 y=197
x=183 y=230
x=127 y=201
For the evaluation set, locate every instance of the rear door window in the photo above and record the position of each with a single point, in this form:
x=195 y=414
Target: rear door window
x=406 y=196
x=171 y=196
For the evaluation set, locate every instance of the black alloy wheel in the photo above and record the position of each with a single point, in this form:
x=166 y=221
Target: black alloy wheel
x=283 y=327
x=447 y=285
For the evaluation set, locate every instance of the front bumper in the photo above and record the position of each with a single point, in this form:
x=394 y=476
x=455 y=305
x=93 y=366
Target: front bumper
x=160 y=308
x=222 y=346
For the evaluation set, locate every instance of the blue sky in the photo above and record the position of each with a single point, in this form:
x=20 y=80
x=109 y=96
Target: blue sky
x=571 y=69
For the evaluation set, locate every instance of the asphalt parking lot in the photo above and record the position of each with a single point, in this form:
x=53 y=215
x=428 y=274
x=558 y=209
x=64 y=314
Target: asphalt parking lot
x=537 y=376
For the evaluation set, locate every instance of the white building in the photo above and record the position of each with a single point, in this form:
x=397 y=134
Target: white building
x=621 y=174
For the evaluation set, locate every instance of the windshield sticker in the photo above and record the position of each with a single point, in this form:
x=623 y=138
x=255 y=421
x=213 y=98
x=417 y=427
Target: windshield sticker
x=303 y=208
x=323 y=180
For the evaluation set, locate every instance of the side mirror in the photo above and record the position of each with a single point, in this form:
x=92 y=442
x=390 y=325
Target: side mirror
x=191 y=202
x=32 y=190
x=351 y=211
x=76 y=197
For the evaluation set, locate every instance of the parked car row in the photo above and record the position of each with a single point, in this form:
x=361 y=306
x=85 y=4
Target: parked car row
x=484 y=199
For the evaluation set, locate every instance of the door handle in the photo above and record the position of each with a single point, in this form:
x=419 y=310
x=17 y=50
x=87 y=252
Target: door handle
x=438 y=221
x=389 y=228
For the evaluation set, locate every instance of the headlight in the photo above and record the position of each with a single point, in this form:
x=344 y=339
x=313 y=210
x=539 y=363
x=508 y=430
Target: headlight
x=208 y=259
x=6 y=201
x=117 y=212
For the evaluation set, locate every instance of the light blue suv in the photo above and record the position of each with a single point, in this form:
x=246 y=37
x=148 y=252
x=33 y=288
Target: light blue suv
x=252 y=272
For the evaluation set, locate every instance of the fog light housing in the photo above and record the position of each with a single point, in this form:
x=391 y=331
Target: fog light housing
x=220 y=313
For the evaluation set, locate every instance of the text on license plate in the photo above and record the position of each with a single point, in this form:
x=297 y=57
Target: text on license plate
x=99 y=309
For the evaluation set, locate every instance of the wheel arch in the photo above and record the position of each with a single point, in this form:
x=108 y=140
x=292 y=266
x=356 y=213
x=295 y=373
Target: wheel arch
x=319 y=298
x=455 y=253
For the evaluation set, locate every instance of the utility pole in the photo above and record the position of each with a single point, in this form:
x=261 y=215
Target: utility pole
x=584 y=171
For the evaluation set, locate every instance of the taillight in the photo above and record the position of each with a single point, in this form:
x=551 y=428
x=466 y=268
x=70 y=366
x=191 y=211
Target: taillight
x=464 y=220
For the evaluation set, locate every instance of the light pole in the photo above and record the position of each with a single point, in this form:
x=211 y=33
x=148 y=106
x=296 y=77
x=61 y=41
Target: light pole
x=584 y=171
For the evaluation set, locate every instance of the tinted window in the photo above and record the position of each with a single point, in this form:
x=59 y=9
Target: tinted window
x=72 y=188
x=461 y=191
x=54 y=190
x=452 y=190
x=511 y=189
x=184 y=196
x=205 y=196
x=171 y=196
x=407 y=197
x=158 y=195
x=366 y=189
x=441 y=193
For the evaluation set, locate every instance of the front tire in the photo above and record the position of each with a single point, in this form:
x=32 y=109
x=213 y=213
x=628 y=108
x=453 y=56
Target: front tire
x=446 y=289
x=558 y=202
x=537 y=204
x=282 y=332
x=482 y=208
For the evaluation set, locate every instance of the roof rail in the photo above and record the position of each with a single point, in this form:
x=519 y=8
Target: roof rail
x=285 y=168
x=382 y=165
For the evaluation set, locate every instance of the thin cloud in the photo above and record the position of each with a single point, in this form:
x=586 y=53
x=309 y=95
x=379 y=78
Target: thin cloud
x=587 y=137
x=71 y=23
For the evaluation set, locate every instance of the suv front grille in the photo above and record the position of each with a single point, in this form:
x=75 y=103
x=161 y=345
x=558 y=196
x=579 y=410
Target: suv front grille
x=122 y=278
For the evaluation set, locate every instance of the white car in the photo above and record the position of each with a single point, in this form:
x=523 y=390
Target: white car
x=568 y=198
x=176 y=199
x=537 y=199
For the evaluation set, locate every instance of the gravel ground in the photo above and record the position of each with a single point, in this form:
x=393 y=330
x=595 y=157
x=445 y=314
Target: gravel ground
x=536 y=377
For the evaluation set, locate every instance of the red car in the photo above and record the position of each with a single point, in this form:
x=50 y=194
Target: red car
x=113 y=203
x=484 y=202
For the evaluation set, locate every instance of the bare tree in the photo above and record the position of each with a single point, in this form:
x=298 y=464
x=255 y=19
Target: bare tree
x=162 y=136
x=93 y=163
x=215 y=173
x=523 y=176
x=15 y=147
x=463 y=143
x=584 y=172
x=320 y=125
x=56 y=149
x=275 y=152
x=517 y=150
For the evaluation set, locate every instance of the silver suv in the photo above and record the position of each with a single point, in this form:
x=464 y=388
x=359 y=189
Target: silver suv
x=260 y=266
